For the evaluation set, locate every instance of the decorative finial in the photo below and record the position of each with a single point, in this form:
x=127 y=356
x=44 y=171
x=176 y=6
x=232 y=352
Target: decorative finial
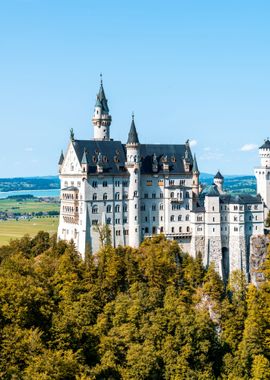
x=132 y=116
x=101 y=81
x=71 y=134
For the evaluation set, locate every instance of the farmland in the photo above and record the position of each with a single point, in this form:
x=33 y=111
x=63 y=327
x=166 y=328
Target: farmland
x=13 y=229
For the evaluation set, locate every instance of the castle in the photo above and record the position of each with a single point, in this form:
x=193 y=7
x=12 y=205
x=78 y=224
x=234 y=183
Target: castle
x=140 y=190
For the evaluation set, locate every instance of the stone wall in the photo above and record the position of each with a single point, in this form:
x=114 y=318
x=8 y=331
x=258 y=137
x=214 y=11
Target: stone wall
x=258 y=252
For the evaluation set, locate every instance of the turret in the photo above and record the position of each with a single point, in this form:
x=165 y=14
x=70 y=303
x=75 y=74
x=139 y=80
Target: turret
x=262 y=174
x=101 y=119
x=60 y=162
x=219 y=181
x=187 y=161
x=195 y=178
x=264 y=152
x=133 y=167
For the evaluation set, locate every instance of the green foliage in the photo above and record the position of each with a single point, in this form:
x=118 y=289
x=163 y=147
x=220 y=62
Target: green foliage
x=133 y=314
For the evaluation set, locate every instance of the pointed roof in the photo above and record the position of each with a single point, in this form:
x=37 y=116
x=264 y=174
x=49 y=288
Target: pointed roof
x=101 y=98
x=266 y=144
x=133 y=135
x=195 y=168
x=84 y=157
x=219 y=175
x=61 y=159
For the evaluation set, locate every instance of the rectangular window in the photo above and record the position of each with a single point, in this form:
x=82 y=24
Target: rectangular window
x=161 y=182
x=118 y=233
x=154 y=195
x=146 y=195
x=125 y=232
x=148 y=183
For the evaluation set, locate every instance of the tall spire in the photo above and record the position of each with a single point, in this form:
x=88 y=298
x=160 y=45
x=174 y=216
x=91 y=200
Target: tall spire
x=101 y=98
x=195 y=168
x=101 y=118
x=133 y=135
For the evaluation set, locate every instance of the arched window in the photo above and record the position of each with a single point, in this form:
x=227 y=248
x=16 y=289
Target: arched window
x=95 y=209
x=117 y=208
x=180 y=229
x=187 y=217
x=125 y=208
x=94 y=196
x=109 y=220
x=125 y=195
x=161 y=206
x=172 y=218
x=188 y=229
x=117 y=195
x=179 y=218
x=105 y=196
x=109 y=209
x=172 y=194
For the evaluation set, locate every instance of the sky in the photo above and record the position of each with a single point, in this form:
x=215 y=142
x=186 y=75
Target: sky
x=188 y=69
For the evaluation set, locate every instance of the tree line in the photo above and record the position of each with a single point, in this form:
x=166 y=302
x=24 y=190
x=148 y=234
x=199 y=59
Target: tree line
x=133 y=314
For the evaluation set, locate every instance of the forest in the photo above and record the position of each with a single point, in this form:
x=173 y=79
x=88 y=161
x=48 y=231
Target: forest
x=147 y=313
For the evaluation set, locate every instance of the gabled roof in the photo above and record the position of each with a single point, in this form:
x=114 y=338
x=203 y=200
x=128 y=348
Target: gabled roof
x=133 y=135
x=266 y=144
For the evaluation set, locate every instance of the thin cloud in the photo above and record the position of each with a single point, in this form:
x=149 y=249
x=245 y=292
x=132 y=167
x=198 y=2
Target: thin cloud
x=193 y=143
x=28 y=149
x=248 y=147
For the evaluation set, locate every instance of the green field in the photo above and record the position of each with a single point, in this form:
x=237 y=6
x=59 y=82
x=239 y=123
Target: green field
x=27 y=206
x=13 y=229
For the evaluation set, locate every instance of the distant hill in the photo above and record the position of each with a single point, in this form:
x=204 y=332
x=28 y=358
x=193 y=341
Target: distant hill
x=234 y=184
x=29 y=183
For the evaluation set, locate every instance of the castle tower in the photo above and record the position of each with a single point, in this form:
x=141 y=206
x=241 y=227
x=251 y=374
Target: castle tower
x=219 y=181
x=133 y=167
x=195 y=178
x=262 y=173
x=101 y=119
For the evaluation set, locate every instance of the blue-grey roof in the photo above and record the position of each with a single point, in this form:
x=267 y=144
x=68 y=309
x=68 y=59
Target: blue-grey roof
x=61 y=158
x=113 y=154
x=173 y=153
x=211 y=191
x=133 y=135
x=219 y=175
x=240 y=199
x=101 y=99
x=266 y=144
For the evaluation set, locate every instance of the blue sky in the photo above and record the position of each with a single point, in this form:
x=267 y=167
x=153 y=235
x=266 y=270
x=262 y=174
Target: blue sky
x=188 y=69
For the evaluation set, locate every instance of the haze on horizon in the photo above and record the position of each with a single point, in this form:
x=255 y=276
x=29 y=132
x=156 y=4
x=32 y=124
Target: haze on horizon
x=189 y=70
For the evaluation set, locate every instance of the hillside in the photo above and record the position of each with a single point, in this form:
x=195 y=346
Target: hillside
x=132 y=314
